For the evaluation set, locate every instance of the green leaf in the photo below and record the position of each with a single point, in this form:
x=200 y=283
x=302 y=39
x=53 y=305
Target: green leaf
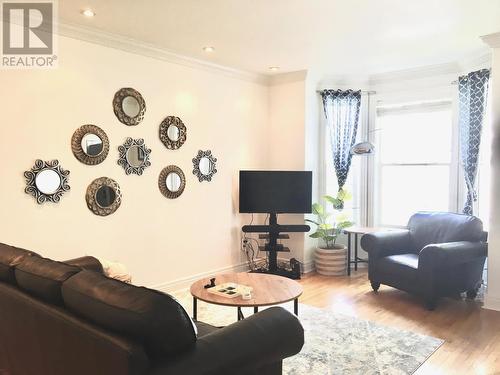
x=315 y=235
x=326 y=226
x=318 y=209
x=332 y=200
x=311 y=221
x=345 y=224
x=344 y=195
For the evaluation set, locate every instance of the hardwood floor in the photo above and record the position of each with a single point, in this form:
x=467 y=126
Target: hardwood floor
x=471 y=333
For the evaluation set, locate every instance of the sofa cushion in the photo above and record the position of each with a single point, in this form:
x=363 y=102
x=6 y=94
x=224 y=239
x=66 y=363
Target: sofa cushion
x=440 y=227
x=43 y=277
x=86 y=262
x=150 y=317
x=400 y=266
x=10 y=257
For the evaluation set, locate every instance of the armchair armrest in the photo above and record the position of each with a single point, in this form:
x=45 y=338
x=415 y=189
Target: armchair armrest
x=451 y=253
x=261 y=339
x=381 y=244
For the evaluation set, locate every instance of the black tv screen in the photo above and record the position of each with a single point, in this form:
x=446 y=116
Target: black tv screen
x=275 y=192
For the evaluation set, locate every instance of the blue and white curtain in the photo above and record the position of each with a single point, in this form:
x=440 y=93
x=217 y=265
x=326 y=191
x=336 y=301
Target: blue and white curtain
x=342 y=117
x=472 y=94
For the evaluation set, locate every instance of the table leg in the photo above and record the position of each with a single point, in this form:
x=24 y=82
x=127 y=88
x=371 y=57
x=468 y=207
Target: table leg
x=296 y=306
x=195 y=308
x=256 y=309
x=355 y=251
x=240 y=314
x=348 y=254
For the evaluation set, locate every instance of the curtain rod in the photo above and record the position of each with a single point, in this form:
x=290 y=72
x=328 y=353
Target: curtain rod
x=362 y=91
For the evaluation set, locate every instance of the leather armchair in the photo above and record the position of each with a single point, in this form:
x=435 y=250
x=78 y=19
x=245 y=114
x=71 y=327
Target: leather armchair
x=439 y=254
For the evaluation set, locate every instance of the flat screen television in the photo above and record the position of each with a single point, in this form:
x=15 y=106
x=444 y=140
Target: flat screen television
x=275 y=192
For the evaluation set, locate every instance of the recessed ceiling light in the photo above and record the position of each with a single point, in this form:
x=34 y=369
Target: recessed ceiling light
x=88 y=13
x=208 y=49
x=274 y=68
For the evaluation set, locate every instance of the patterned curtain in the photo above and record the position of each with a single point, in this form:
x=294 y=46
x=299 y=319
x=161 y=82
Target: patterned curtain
x=342 y=117
x=472 y=94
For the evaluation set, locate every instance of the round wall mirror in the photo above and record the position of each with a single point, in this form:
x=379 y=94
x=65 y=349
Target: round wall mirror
x=47 y=181
x=90 y=144
x=172 y=132
x=129 y=106
x=172 y=181
x=103 y=196
x=204 y=165
x=134 y=156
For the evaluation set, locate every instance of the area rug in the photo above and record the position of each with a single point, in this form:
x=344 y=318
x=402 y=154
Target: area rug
x=338 y=344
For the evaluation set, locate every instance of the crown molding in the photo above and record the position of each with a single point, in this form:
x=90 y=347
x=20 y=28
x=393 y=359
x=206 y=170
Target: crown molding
x=131 y=45
x=278 y=79
x=422 y=72
x=492 y=40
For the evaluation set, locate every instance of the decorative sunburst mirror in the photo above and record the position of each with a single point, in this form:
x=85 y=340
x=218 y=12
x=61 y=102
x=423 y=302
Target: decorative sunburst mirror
x=134 y=156
x=47 y=181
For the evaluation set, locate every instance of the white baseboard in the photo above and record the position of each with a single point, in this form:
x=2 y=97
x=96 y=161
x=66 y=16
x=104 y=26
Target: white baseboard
x=491 y=302
x=185 y=282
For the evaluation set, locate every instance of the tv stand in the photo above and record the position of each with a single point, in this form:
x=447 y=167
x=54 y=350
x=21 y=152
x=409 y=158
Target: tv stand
x=273 y=232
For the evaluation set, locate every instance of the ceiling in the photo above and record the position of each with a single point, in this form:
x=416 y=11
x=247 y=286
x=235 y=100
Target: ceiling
x=330 y=36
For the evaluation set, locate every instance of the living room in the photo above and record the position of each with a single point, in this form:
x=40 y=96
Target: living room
x=344 y=152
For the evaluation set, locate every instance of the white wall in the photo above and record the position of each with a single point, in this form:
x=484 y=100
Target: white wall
x=286 y=141
x=492 y=300
x=160 y=240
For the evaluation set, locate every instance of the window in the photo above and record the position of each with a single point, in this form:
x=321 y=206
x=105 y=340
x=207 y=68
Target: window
x=415 y=170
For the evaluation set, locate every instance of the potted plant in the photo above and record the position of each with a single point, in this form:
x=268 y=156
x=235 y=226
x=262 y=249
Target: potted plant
x=330 y=258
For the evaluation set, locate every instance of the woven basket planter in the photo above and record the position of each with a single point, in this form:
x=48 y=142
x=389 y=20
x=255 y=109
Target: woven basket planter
x=331 y=262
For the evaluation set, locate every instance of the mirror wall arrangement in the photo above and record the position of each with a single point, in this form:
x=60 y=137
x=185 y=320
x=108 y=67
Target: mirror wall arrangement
x=134 y=156
x=173 y=132
x=172 y=181
x=129 y=106
x=90 y=144
x=103 y=196
x=204 y=165
x=47 y=181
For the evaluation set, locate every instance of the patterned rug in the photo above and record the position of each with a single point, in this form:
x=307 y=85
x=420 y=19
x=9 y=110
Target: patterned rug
x=337 y=343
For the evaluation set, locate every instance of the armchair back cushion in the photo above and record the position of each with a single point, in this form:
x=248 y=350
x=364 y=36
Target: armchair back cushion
x=441 y=227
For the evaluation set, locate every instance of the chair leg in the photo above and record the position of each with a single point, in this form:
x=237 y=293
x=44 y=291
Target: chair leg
x=375 y=285
x=472 y=294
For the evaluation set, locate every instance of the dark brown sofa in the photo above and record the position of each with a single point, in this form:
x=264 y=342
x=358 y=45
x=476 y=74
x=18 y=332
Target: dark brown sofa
x=68 y=318
x=438 y=254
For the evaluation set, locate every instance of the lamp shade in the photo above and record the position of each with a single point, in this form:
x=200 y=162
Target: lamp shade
x=363 y=148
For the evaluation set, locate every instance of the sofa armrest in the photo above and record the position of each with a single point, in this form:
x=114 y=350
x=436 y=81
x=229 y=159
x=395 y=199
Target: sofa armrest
x=261 y=339
x=381 y=244
x=450 y=254
x=87 y=263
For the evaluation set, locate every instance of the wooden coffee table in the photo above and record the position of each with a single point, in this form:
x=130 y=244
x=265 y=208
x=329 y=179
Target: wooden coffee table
x=267 y=290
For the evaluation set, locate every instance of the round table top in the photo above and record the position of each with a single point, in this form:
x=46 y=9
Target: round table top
x=267 y=289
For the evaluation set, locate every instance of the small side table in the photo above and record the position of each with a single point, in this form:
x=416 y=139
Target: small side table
x=354 y=232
